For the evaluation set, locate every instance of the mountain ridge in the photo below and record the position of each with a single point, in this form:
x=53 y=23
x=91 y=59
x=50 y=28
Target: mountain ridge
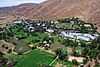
x=88 y=10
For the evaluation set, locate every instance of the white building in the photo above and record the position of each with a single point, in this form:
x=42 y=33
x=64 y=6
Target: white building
x=31 y=29
x=50 y=31
x=17 y=22
x=86 y=37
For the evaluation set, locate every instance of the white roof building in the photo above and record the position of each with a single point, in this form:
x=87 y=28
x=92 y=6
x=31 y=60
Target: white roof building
x=17 y=22
x=44 y=42
x=50 y=31
x=47 y=45
x=31 y=29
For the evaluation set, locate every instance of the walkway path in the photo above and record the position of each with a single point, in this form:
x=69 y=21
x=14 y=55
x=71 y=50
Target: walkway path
x=49 y=51
x=54 y=60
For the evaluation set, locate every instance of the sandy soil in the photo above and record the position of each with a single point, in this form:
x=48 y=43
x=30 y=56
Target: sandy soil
x=4 y=50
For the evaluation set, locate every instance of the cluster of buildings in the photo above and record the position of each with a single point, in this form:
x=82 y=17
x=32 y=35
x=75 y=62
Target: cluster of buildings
x=70 y=32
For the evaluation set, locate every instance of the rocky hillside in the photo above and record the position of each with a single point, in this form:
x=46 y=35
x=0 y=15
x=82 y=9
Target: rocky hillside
x=88 y=10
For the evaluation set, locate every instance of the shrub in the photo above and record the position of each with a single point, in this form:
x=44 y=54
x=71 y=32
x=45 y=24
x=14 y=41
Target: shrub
x=20 y=53
x=46 y=48
x=74 y=61
x=97 y=64
x=9 y=51
x=84 y=61
x=6 y=47
x=34 y=47
x=1 y=53
x=3 y=45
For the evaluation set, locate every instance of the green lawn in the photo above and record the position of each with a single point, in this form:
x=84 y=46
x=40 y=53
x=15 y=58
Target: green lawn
x=39 y=36
x=79 y=48
x=33 y=59
x=28 y=39
x=16 y=32
x=58 y=39
x=67 y=24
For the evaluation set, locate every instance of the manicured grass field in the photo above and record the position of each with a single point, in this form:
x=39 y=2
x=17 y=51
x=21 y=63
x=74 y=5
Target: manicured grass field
x=34 y=59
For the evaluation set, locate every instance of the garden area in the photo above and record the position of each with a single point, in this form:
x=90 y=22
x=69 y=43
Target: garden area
x=20 y=49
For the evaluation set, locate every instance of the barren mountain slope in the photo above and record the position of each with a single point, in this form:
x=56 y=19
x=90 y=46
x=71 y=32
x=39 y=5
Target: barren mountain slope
x=88 y=10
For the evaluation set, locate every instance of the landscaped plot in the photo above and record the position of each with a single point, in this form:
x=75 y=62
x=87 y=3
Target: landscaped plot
x=34 y=59
x=21 y=48
x=56 y=46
